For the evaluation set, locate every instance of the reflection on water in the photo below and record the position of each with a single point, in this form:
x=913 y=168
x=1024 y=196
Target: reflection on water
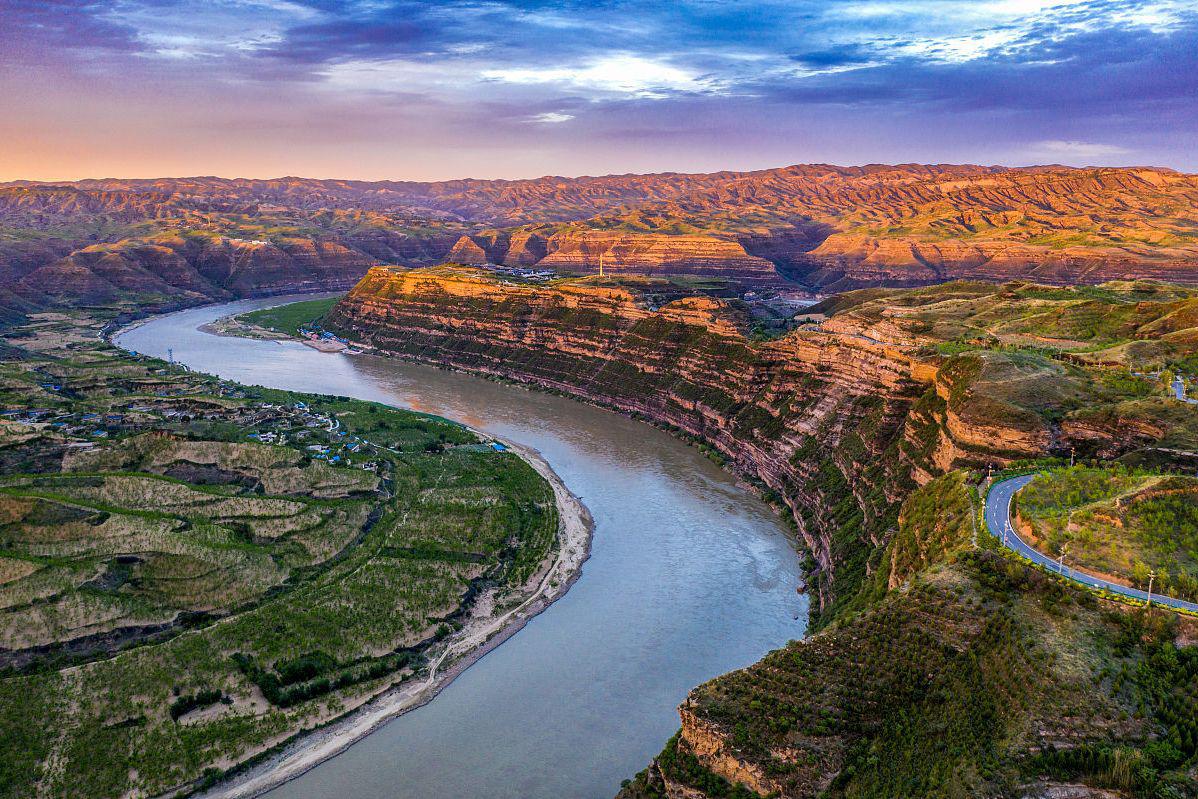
x=690 y=576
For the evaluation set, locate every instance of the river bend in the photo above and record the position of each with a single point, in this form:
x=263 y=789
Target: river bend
x=690 y=576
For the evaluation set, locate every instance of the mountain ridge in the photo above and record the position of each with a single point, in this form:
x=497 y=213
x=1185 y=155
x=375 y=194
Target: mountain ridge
x=815 y=227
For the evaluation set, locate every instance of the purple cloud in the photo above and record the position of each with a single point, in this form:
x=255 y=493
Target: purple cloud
x=505 y=88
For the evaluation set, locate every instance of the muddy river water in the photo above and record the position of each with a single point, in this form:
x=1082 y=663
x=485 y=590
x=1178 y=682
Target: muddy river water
x=690 y=576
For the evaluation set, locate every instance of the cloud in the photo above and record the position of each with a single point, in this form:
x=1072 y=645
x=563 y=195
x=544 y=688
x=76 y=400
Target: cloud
x=623 y=74
x=1078 y=149
x=551 y=117
x=41 y=33
x=850 y=54
x=399 y=76
x=787 y=80
x=337 y=39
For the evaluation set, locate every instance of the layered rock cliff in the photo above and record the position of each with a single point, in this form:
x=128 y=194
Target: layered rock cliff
x=922 y=671
x=823 y=227
x=687 y=365
x=582 y=250
x=838 y=421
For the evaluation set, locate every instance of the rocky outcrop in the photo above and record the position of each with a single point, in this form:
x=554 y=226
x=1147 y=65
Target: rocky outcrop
x=820 y=417
x=653 y=254
x=580 y=250
x=711 y=746
x=526 y=247
x=467 y=251
x=483 y=248
x=829 y=228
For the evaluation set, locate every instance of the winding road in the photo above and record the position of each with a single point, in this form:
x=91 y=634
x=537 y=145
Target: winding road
x=998 y=521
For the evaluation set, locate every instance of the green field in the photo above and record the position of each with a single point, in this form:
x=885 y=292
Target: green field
x=290 y=318
x=1119 y=522
x=193 y=571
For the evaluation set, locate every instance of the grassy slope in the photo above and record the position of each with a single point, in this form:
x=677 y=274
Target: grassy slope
x=333 y=610
x=1046 y=360
x=975 y=678
x=1119 y=522
x=955 y=672
x=290 y=318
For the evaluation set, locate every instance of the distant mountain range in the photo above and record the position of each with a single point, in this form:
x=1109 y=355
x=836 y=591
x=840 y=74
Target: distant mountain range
x=176 y=241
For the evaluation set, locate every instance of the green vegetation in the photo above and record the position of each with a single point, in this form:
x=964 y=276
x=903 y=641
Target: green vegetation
x=683 y=767
x=1120 y=522
x=1133 y=324
x=1089 y=367
x=290 y=318
x=941 y=666
x=937 y=666
x=979 y=676
x=192 y=571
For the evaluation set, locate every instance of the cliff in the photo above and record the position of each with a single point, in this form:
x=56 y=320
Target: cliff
x=824 y=227
x=838 y=421
x=918 y=679
x=686 y=364
x=583 y=250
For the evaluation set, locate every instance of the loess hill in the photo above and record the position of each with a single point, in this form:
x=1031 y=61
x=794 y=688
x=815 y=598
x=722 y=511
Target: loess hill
x=937 y=665
x=168 y=242
x=194 y=572
x=1123 y=523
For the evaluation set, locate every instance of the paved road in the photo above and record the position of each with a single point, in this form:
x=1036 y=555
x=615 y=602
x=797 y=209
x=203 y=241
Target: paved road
x=998 y=515
x=1179 y=391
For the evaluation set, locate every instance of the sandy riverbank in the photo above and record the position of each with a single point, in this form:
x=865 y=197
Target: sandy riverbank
x=234 y=328
x=487 y=626
x=485 y=629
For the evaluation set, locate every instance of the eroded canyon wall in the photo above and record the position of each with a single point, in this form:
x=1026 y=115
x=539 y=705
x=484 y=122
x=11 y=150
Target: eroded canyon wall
x=837 y=423
x=619 y=252
x=923 y=675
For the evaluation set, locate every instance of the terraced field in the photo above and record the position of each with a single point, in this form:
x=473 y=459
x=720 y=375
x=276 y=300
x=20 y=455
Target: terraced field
x=192 y=572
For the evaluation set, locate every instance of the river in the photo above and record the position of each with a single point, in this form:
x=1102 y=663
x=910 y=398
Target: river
x=690 y=576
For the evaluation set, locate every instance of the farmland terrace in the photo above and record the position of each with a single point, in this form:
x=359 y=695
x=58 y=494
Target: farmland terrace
x=192 y=572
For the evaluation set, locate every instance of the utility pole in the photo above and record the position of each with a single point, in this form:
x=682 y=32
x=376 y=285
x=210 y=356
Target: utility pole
x=1072 y=450
x=1061 y=559
x=170 y=355
x=1006 y=533
x=1151 y=577
x=601 y=264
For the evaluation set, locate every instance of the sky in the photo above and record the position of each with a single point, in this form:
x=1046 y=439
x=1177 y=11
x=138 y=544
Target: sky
x=374 y=89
